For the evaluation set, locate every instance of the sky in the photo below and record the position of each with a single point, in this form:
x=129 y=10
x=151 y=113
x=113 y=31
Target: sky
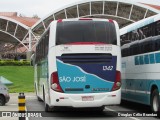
x=44 y=7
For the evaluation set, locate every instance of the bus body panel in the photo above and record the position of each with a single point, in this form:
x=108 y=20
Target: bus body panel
x=54 y=64
x=75 y=100
x=77 y=73
x=137 y=81
x=141 y=60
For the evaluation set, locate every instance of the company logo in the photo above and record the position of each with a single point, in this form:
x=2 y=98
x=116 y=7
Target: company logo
x=17 y=114
x=6 y=114
x=72 y=79
x=66 y=48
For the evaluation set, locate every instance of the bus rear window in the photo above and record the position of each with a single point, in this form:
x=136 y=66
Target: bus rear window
x=85 y=31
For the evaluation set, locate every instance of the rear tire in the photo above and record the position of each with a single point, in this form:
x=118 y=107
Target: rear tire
x=46 y=106
x=38 y=98
x=100 y=109
x=2 y=100
x=155 y=101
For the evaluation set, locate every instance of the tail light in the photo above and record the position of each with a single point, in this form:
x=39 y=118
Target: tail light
x=110 y=20
x=117 y=83
x=59 y=21
x=85 y=19
x=55 y=82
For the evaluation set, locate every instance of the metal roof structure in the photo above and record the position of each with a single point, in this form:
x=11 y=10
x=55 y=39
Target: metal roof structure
x=12 y=31
x=21 y=31
x=15 y=31
x=124 y=12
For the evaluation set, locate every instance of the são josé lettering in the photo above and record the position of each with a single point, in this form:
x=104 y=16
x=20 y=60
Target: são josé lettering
x=72 y=79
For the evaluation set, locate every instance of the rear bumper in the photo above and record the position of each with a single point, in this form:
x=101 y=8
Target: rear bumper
x=75 y=100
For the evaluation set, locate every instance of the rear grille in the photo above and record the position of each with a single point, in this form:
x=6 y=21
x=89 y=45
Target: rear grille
x=88 y=58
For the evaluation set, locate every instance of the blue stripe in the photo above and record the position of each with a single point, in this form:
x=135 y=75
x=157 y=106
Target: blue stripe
x=141 y=85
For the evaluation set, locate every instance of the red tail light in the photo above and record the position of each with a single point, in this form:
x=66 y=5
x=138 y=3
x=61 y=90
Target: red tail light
x=85 y=19
x=60 y=20
x=55 y=82
x=117 y=83
x=110 y=20
x=85 y=43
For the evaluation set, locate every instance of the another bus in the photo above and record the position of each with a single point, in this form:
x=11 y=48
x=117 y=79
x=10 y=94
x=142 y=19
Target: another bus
x=141 y=62
x=77 y=64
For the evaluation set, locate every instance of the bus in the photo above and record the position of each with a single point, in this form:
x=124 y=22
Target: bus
x=78 y=64
x=140 y=48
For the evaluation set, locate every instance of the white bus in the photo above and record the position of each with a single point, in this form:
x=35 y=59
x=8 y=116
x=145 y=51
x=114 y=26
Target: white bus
x=141 y=62
x=77 y=64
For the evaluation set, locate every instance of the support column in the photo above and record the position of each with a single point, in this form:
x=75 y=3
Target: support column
x=29 y=52
x=28 y=55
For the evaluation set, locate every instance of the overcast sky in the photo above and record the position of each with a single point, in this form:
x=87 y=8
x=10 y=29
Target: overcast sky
x=44 y=7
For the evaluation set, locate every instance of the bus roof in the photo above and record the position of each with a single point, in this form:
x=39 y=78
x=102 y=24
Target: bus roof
x=139 y=24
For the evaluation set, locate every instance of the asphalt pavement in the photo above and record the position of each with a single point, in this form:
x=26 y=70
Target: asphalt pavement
x=125 y=111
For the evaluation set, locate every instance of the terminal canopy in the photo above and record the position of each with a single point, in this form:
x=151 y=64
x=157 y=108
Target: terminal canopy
x=12 y=32
x=124 y=12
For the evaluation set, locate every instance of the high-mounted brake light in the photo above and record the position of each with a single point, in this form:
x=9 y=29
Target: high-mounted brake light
x=110 y=20
x=117 y=83
x=86 y=43
x=85 y=19
x=55 y=82
x=60 y=20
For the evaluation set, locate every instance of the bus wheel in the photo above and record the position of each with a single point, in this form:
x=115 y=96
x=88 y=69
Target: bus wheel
x=47 y=108
x=2 y=100
x=100 y=109
x=155 y=101
x=38 y=98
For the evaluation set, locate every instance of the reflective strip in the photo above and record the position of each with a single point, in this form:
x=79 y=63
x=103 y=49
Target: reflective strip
x=21 y=108
x=123 y=89
x=148 y=92
x=128 y=90
x=21 y=100
x=137 y=91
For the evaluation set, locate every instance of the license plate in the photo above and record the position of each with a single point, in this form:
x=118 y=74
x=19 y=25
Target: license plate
x=87 y=98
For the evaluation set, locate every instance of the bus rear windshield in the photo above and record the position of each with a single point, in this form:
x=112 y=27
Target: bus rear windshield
x=85 y=31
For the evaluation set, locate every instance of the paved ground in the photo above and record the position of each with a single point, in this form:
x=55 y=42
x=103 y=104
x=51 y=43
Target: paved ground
x=70 y=114
x=12 y=105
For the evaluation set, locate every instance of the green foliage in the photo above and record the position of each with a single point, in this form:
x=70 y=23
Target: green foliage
x=14 y=63
x=21 y=76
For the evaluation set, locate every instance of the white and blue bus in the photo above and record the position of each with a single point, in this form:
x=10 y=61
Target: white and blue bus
x=77 y=64
x=140 y=47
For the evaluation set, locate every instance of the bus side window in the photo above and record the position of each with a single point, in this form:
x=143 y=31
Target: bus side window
x=142 y=49
x=157 y=28
x=157 y=43
x=147 y=45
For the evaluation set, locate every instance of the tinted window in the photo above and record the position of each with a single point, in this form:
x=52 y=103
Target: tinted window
x=158 y=28
x=156 y=43
x=42 y=47
x=85 y=31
